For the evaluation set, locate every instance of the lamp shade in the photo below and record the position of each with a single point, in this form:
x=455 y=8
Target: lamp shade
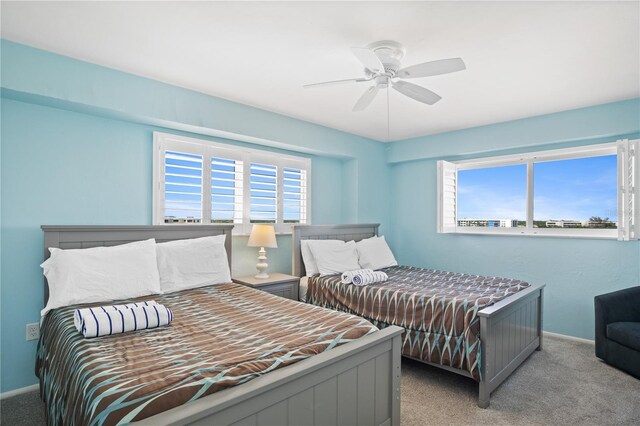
x=263 y=236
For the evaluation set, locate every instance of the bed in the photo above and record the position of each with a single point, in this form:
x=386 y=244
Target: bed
x=478 y=327
x=233 y=355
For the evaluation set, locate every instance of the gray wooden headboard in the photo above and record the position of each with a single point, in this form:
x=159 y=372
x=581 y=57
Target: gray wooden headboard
x=349 y=232
x=74 y=237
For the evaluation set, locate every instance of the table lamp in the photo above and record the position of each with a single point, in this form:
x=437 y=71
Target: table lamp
x=262 y=236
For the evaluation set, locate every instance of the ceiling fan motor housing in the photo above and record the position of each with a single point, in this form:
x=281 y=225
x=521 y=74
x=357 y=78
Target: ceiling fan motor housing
x=382 y=81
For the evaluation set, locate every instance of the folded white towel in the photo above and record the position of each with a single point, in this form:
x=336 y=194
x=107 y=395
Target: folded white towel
x=79 y=314
x=363 y=277
x=347 y=277
x=369 y=277
x=114 y=319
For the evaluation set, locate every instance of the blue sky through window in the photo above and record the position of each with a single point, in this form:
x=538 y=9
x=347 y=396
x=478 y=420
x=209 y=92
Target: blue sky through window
x=183 y=185
x=493 y=193
x=574 y=189
x=226 y=190
x=264 y=192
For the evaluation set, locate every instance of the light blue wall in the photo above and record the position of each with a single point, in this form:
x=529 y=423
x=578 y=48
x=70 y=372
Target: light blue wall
x=574 y=270
x=37 y=76
x=76 y=148
x=578 y=126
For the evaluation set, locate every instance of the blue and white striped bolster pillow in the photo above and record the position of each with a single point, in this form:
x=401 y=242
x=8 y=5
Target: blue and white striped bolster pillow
x=115 y=319
x=369 y=277
x=347 y=277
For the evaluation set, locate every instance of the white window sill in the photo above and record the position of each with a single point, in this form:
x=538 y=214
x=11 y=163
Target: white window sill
x=598 y=234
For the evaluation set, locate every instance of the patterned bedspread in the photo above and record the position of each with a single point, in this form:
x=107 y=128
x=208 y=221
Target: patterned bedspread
x=221 y=336
x=437 y=309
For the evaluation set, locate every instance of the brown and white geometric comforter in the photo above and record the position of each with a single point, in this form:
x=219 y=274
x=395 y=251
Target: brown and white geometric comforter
x=437 y=309
x=221 y=336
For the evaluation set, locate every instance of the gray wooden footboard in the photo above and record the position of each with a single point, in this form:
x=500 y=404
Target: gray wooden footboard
x=510 y=331
x=356 y=383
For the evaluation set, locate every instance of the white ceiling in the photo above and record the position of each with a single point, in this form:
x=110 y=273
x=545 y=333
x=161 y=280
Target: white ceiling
x=523 y=58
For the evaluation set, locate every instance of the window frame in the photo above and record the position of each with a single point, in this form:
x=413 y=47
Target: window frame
x=163 y=142
x=625 y=215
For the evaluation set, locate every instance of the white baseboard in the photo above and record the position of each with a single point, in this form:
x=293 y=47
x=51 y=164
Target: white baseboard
x=9 y=394
x=565 y=337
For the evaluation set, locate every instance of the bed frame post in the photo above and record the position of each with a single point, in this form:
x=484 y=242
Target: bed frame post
x=396 y=363
x=51 y=239
x=540 y=331
x=484 y=393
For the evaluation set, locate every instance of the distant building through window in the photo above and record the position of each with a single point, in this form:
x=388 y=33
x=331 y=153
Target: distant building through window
x=489 y=223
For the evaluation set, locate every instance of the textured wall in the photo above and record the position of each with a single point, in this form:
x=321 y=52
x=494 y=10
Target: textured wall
x=574 y=270
x=77 y=149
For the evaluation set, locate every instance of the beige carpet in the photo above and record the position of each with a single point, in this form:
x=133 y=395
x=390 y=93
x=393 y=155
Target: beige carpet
x=563 y=385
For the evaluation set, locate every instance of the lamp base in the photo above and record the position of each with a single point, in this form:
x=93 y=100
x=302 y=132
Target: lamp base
x=262 y=264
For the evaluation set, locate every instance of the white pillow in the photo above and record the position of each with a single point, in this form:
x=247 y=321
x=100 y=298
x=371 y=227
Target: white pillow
x=374 y=253
x=101 y=274
x=310 y=265
x=192 y=263
x=334 y=256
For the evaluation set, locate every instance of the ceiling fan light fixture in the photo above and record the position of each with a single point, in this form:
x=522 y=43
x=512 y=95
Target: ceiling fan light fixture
x=381 y=81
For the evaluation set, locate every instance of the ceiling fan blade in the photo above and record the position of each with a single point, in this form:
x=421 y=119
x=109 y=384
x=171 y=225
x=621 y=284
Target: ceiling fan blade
x=427 y=69
x=416 y=92
x=368 y=58
x=366 y=98
x=329 y=83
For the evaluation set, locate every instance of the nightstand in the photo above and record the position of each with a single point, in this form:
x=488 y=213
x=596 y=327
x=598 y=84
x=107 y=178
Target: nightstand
x=282 y=285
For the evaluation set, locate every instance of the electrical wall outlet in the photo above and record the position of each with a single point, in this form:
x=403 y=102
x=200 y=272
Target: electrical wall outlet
x=33 y=331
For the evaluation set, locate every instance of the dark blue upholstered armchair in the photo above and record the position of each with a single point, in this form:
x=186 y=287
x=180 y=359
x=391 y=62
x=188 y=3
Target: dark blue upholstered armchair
x=618 y=329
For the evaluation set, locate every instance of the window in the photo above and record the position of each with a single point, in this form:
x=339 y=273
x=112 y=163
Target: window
x=493 y=196
x=583 y=192
x=200 y=181
x=576 y=193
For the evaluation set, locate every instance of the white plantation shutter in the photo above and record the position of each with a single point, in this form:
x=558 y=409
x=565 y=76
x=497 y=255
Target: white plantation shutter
x=263 y=181
x=197 y=181
x=227 y=190
x=294 y=195
x=629 y=190
x=182 y=187
x=447 y=186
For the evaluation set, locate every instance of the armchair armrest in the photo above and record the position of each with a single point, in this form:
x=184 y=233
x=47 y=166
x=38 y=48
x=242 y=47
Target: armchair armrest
x=622 y=305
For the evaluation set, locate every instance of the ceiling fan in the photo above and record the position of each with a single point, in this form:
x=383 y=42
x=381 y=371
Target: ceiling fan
x=381 y=62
